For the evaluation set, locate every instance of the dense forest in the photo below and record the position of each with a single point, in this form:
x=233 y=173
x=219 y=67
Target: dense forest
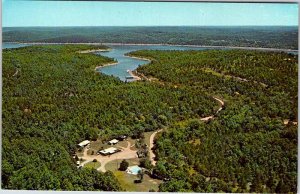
x=284 y=37
x=247 y=147
x=53 y=99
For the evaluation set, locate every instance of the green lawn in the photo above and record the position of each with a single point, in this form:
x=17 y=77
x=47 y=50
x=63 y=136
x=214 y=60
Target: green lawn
x=127 y=182
x=208 y=70
x=93 y=165
x=96 y=146
x=115 y=164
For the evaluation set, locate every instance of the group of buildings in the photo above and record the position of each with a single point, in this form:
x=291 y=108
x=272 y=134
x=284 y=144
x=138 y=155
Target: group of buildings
x=107 y=151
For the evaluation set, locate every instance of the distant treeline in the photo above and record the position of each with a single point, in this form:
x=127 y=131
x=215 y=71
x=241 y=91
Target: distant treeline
x=285 y=37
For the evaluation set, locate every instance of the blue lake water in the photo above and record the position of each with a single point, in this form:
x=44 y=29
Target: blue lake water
x=127 y=63
x=13 y=45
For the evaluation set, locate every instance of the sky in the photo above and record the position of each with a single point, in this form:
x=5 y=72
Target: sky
x=91 y=13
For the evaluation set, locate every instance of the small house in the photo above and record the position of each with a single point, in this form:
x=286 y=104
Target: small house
x=84 y=143
x=109 y=151
x=113 y=142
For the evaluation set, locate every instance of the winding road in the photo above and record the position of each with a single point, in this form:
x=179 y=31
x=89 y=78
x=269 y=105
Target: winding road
x=152 y=137
x=16 y=73
x=152 y=155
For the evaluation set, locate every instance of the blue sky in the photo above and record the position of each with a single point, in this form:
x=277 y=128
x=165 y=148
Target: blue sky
x=79 y=13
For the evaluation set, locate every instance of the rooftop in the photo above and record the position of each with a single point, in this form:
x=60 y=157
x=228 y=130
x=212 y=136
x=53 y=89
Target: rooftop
x=114 y=141
x=84 y=143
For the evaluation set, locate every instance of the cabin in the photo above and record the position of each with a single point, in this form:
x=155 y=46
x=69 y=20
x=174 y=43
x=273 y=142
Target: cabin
x=121 y=137
x=84 y=143
x=109 y=151
x=113 y=142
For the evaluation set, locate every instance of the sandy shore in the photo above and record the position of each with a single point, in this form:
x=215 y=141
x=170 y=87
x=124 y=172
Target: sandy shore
x=140 y=58
x=135 y=77
x=107 y=64
x=185 y=45
x=95 y=50
x=134 y=73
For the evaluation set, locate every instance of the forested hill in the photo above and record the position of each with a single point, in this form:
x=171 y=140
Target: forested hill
x=53 y=99
x=36 y=137
x=248 y=147
x=284 y=37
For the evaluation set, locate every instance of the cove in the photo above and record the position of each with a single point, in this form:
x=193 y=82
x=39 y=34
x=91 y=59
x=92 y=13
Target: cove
x=126 y=63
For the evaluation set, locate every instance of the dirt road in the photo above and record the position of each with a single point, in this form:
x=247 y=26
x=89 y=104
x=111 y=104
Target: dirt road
x=212 y=116
x=126 y=153
x=152 y=155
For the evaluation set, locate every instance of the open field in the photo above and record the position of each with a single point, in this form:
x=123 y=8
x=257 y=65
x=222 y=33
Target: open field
x=115 y=164
x=127 y=182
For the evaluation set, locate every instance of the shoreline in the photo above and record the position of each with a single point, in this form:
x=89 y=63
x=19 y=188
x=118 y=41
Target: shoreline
x=177 y=45
x=140 y=58
x=134 y=73
x=135 y=77
x=107 y=64
x=94 y=50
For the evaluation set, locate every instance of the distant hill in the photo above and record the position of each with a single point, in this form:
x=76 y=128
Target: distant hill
x=285 y=37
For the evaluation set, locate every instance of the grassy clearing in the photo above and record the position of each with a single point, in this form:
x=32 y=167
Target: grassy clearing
x=122 y=144
x=93 y=165
x=96 y=146
x=208 y=70
x=115 y=164
x=127 y=182
x=99 y=145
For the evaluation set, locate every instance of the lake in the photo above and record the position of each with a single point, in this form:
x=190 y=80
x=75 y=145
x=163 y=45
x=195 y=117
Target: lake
x=127 y=63
x=13 y=45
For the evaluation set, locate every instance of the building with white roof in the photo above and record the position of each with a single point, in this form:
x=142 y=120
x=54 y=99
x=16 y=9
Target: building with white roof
x=84 y=143
x=109 y=151
x=114 y=141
